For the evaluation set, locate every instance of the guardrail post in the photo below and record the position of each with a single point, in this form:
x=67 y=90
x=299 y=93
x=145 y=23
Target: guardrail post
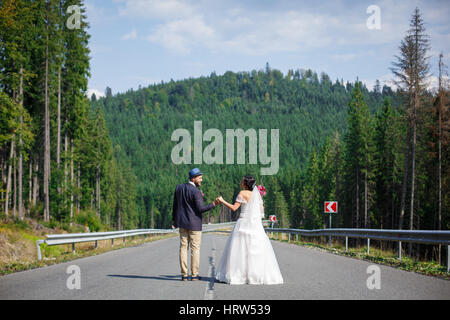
x=112 y=242
x=38 y=247
x=448 y=258
x=400 y=250
x=346 y=244
x=368 y=245
x=289 y=237
x=296 y=237
x=73 y=247
x=96 y=244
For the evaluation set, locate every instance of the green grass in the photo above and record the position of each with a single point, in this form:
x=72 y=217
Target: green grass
x=384 y=257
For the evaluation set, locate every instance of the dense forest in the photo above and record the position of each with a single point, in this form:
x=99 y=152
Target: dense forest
x=305 y=108
x=55 y=150
x=381 y=153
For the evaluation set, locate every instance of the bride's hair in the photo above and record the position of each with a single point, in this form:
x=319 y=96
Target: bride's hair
x=249 y=182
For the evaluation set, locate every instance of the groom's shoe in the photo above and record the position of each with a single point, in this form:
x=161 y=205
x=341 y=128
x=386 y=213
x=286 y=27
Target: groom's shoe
x=184 y=278
x=197 y=278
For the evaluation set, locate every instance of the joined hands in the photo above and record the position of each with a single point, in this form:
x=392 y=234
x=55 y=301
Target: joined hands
x=218 y=200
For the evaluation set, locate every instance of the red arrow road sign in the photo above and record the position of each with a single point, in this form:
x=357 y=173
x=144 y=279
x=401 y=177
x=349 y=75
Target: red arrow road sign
x=273 y=218
x=331 y=206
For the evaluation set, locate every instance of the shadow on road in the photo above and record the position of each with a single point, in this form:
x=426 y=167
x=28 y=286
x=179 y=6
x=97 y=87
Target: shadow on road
x=161 y=277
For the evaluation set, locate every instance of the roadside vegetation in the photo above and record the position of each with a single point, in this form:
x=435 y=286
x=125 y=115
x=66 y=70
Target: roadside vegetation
x=380 y=255
x=18 y=245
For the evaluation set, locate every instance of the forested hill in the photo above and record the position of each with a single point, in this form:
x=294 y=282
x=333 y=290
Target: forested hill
x=307 y=108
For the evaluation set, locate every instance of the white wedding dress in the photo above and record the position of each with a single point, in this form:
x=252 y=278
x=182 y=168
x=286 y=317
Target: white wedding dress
x=248 y=256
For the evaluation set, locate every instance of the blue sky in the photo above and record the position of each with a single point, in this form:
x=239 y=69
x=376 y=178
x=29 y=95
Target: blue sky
x=140 y=42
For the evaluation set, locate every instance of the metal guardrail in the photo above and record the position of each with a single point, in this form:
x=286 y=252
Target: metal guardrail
x=72 y=238
x=436 y=237
x=414 y=236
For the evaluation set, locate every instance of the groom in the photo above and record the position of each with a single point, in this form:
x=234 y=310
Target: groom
x=187 y=214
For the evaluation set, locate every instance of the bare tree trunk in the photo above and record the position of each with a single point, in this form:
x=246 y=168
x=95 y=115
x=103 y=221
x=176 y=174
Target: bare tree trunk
x=58 y=137
x=413 y=169
x=78 y=188
x=46 y=133
x=30 y=186
x=71 y=181
x=66 y=147
x=58 y=124
x=20 y=168
x=35 y=182
x=92 y=199
x=405 y=179
x=20 y=187
x=4 y=179
x=357 y=198
x=15 y=185
x=365 y=199
x=392 y=204
x=441 y=105
x=152 y=218
x=8 y=184
x=97 y=188
x=119 y=220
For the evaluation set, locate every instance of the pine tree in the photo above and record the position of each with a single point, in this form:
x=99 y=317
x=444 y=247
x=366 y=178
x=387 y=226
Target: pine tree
x=440 y=127
x=75 y=104
x=279 y=206
x=312 y=218
x=15 y=35
x=411 y=70
x=359 y=153
x=386 y=166
x=102 y=150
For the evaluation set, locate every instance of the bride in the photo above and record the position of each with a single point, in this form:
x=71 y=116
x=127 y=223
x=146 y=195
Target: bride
x=248 y=256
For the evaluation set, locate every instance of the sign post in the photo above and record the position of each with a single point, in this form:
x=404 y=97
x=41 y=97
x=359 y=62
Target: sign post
x=272 y=220
x=330 y=207
x=330 y=228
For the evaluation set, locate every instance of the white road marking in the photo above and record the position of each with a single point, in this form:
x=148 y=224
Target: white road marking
x=209 y=289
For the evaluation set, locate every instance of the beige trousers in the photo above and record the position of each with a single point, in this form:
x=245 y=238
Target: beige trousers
x=192 y=238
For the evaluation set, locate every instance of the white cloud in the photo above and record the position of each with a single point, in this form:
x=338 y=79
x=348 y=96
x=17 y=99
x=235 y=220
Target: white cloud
x=185 y=25
x=344 y=57
x=98 y=93
x=266 y=32
x=179 y=36
x=131 y=35
x=386 y=79
x=259 y=32
x=236 y=27
x=96 y=15
x=433 y=83
x=159 y=9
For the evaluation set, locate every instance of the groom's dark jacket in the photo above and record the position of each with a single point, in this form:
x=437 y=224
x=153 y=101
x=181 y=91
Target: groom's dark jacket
x=188 y=207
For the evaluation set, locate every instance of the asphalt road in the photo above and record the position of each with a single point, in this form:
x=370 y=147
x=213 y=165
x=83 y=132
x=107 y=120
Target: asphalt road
x=151 y=271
